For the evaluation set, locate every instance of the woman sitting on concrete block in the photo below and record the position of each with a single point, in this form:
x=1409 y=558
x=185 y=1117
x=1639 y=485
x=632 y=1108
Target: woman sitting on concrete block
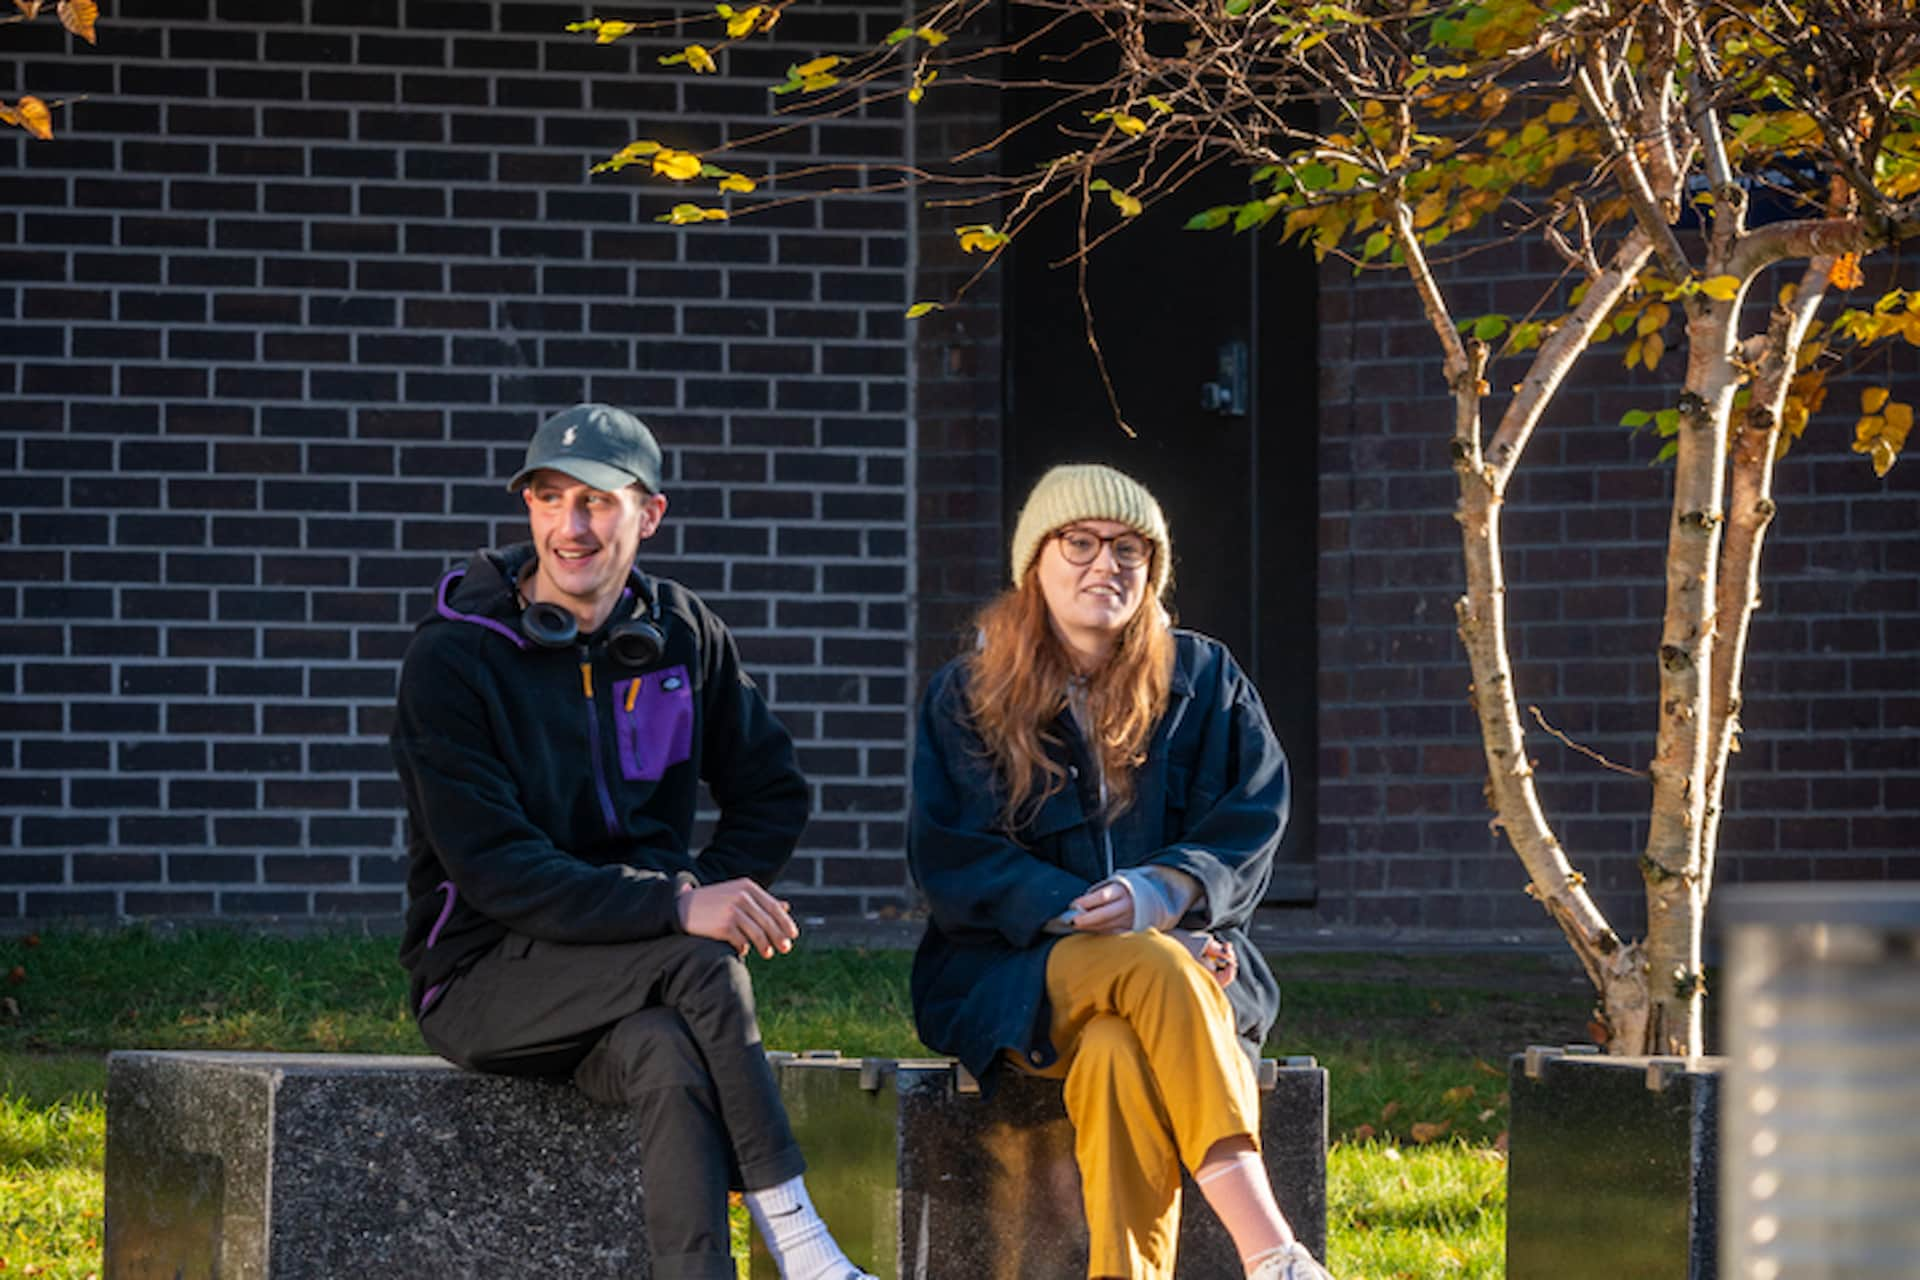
x=1097 y=801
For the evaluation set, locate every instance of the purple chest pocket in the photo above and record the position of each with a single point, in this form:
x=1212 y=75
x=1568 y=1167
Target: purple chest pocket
x=653 y=718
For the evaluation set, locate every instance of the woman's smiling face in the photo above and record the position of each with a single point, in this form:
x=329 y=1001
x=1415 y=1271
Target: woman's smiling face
x=1091 y=604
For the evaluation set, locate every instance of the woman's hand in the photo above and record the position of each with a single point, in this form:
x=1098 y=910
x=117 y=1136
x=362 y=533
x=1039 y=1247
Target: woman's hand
x=740 y=913
x=1218 y=959
x=1105 y=908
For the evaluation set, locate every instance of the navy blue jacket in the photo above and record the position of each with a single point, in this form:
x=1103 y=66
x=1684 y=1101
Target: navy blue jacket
x=552 y=792
x=1210 y=800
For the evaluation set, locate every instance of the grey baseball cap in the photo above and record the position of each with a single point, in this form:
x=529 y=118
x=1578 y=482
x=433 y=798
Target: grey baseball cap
x=597 y=445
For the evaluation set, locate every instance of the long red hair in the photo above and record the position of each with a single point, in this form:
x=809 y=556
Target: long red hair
x=1017 y=686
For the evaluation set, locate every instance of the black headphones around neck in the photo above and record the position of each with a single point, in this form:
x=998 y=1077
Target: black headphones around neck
x=636 y=641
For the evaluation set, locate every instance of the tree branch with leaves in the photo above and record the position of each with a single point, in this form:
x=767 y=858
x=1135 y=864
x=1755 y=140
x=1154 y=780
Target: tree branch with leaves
x=1637 y=139
x=33 y=114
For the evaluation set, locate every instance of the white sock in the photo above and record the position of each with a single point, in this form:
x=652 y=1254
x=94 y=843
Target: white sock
x=795 y=1235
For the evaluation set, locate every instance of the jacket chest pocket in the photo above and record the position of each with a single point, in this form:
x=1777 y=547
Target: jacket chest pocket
x=1179 y=782
x=1061 y=834
x=653 y=721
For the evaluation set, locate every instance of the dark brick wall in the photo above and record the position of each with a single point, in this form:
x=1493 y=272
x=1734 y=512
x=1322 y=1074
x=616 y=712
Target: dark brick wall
x=960 y=546
x=284 y=298
x=1827 y=783
x=297 y=279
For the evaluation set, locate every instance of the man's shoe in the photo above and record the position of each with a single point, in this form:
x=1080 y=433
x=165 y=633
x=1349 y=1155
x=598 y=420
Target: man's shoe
x=1291 y=1263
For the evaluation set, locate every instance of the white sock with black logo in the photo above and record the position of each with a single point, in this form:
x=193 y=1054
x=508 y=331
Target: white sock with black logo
x=795 y=1235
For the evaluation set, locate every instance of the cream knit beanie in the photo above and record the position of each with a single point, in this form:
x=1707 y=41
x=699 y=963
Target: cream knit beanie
x=1088 y=491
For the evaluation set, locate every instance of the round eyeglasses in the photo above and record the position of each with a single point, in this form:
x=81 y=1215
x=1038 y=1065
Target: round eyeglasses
x=1082 y=547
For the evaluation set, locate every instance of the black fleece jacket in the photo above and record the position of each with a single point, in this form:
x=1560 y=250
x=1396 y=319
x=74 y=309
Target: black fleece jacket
x=551 y=792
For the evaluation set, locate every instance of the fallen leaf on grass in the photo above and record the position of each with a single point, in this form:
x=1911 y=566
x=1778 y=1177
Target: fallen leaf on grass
x=1487 y=1068
x=1363 y=1133
x=1500 y=1143
x=1389 y=1111
x=1458 y=1094
x=1426 y=1131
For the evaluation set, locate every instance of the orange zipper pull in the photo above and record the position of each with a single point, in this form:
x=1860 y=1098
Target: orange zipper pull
x=586 y=680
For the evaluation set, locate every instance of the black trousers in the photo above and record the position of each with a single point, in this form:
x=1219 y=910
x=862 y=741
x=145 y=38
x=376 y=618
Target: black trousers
x=665 y=1026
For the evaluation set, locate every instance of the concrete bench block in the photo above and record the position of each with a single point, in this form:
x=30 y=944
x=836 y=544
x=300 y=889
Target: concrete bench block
x=1612 y=1166
x=257 y=1166
x=923 y=1179
x=246 y=1166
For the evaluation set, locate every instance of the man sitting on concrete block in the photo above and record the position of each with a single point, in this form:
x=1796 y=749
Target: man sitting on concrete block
x=557 y=714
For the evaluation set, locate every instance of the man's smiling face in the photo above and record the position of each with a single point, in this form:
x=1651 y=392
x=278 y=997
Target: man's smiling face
x=586 y=539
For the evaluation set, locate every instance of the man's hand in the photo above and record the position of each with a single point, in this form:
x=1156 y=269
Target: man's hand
x=1105 y=908
x=740 y=913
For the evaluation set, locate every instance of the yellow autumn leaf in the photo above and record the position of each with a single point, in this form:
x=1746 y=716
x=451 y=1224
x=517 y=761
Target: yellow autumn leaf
x=819 y=66
x=1563 y=111
x=980 y=238
x=1128 y=206
x=1132 y=126
x=920 y=84
x=919 y=309
x=611 y=31
x=1653 y=319
x=1899 y=422
x=632 y=153
x=30 y=114
x=1653 y=346
x=1845 y=272
x=1873 y=399
x=682 y=214
x=1459 y=1093
x=29 y=7
x=1793 y=418
x=678 y=165
x=739 y=24
x=933 y=38
x=815 y=83
x=699 y=59
x=737 y=182
x=78 y=16
x=1424 y=1131
x=1721 y=288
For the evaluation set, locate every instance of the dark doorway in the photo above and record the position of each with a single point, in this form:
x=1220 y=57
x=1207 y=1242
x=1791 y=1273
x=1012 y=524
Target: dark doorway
x=1173 y=311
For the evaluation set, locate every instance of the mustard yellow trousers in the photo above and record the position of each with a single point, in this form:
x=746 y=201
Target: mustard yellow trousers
x=1155 y=1076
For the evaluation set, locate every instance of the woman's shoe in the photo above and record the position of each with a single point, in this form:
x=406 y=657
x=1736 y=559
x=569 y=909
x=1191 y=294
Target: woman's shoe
x=1291 y=1263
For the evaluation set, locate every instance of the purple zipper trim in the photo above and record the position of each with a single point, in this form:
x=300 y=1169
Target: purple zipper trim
x=433 y=935
x=599 y=767
x=452 y=614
